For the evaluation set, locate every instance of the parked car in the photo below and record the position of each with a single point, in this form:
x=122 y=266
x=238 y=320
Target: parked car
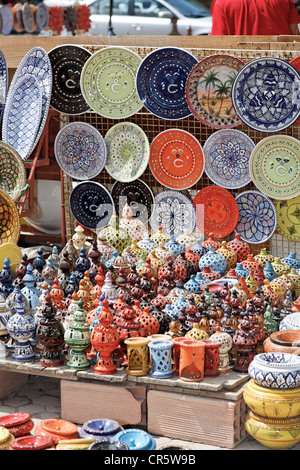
x=146 y=17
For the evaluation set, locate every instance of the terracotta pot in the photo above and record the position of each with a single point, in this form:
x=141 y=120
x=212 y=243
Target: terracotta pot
x=191 y=363
x=58 y=429
x=286 y=341
x=272 y=403
x=273 y=433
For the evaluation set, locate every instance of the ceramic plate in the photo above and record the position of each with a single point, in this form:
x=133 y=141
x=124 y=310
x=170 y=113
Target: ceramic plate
x=80 y=150
x=176 y=159
x=208 y=91
x=137 y=194
x=13 y=176
x=91 y=205
x=22 y=115
x=108 y=82
x=174 y=212
x=36 y=63
x=9 y=219
x=257 y=217
x=227 y=153
x=217 y=211
x=128 y=152
x=7 y=19
x=288 y=218
x=67 y=62
x=161 y=81
x=296 y=63
x=265 y=94
x=3 y=83
x=275 y=166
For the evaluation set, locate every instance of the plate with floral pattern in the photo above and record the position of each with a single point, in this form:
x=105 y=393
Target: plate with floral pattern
x=91 y=205
x=265 y=94
x=108 y=82
x=80 y=150
x=257 y=217
x=217 y=211
x=208 y=91
x=227 y=153
x=13 y=176
x=174 y=212
x=288 y=218
x=275 y=166
x=135 y=193
x=176 y=159
x=3 y=83
x=67 y=62
x=161 y=81
x=128 y=151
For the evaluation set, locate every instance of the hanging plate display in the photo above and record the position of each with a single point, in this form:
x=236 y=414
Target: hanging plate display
x=161 y=81
x=137 y=194
x=36 y=63
x=227 y=153
x=128 y=151
x=9 y=219
x=3 y=83
x=174 y=212
x=13 y=176
x=288 y=218
x=296 y=63
x=80 y=150
x=67 y=62
x=91 y=205
x=265 y=94
x=208 y=91
x=257 y=217
x=22 y=115
x=7 y=19
x=216 y=210
x=108 y=82
x=176 y=159
x=275 y=166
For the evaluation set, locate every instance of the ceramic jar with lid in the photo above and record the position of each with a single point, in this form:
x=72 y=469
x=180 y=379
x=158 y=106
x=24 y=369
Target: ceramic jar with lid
x=147 y=243
x=216 y=261
x=275 y=370
x=291 y=260
x=78 y=337
x=174 y=246
x=240 y=247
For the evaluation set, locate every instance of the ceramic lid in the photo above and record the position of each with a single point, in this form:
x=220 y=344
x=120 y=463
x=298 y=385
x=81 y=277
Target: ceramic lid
x=14 y=419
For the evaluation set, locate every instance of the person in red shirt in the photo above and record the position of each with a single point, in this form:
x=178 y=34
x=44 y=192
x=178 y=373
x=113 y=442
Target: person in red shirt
x=254 y=17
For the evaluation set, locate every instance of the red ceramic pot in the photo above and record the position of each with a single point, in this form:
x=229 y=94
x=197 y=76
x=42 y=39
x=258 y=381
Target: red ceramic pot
x=32 y=443
x=14 y=419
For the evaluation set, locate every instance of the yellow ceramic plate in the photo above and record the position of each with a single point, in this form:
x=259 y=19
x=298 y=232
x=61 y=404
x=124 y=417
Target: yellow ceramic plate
x=13 y=252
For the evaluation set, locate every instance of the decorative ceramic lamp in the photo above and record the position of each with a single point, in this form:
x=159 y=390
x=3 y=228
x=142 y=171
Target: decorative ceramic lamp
x=191 y=363
x=77 y=337
x=137 y=356
x=21 y=327
x=226 y=344
x=161 y=359
x=211 y=360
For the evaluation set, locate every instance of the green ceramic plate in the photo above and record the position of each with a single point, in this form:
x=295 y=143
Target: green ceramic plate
x=275 y=166
x=13 y=176
x=108 y=82
x=288 y=218
x=128 y=152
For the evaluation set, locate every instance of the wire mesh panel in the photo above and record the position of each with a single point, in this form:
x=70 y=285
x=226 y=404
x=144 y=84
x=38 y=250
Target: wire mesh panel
x=153 y=125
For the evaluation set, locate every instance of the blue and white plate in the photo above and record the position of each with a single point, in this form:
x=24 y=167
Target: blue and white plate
x=22 y=115
x=36 y=63
x=161 y=81
x=91 y=205
x=174 y=212
x=227 y=153
x=265 y=94
x=80 y=150
x=257 y=217
x=3 y=83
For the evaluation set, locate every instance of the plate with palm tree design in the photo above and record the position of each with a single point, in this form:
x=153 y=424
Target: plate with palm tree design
x=208 y=91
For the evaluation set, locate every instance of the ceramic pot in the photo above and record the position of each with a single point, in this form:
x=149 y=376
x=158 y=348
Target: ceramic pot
x=272 y=403
x=77 y=336
x=240 y=247
x=161 y=358
x=6 y=439
x=137 y=356
x=176 y=351
x=191 y=363
x=275 y=370
x=108 y=445
x=285 y=341
x=99 y=429
x=57 y=429
x=276 y=434
x=32 y=443
x=135 y=439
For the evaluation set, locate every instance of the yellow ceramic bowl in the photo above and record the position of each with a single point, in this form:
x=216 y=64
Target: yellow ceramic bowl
x=277 y=434
x=272 y=403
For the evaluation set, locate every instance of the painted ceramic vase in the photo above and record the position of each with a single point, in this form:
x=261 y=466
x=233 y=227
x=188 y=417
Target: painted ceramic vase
x=161 y=359
x=57 y=429
x=275 y=434
x=240 y=247
x=21 y=327
x=272 y=403
x=285 y=341
x=77 y=336
x=135 y=439
x=137 y=356
x=216 y=261
x=275 y=370
x=99 y=429
x=191 y=363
